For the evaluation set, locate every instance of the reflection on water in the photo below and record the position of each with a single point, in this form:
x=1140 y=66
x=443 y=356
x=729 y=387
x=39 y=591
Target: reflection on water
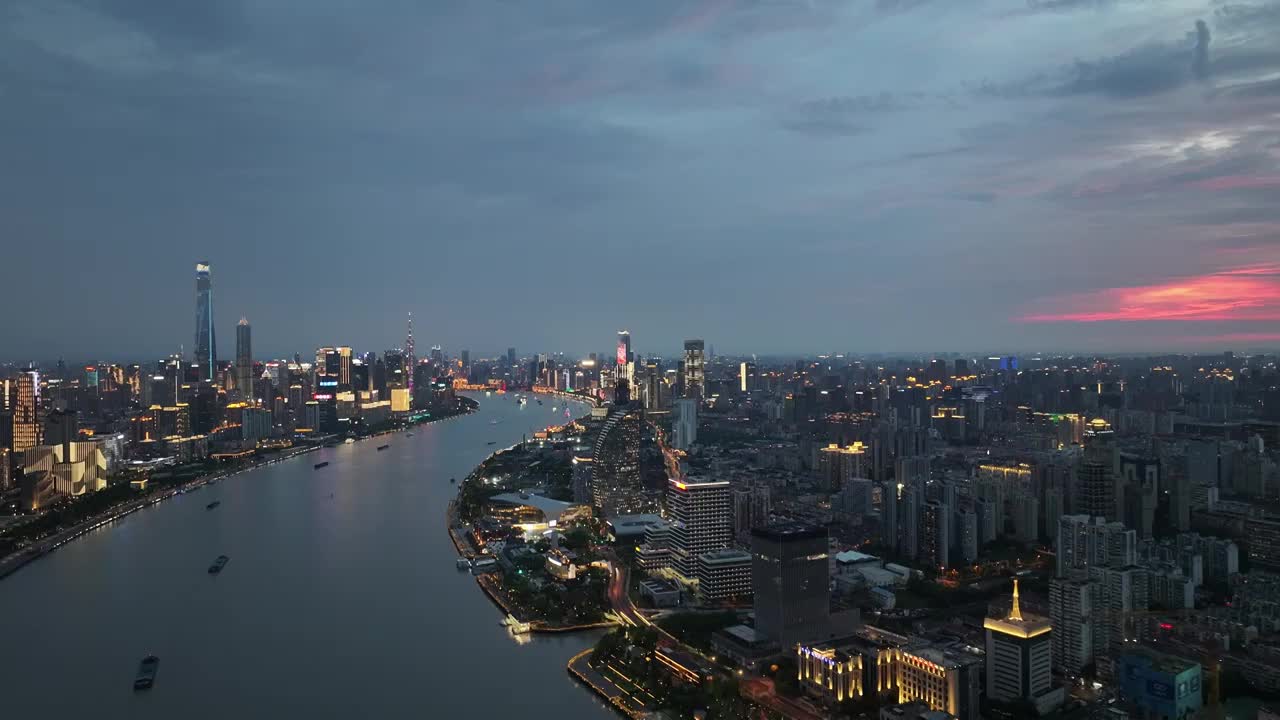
x=341 y=599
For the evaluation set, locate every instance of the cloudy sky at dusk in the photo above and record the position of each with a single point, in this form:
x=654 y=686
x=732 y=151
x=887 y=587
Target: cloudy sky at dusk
x=772 y=175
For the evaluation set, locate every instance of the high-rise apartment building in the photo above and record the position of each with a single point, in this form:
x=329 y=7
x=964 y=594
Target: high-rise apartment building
x=701 y=518
x=206 y=339
x=1095 y=492
x=694 y=377
x=1071 y=612
x=935 y=536
x=790 y=575
x=889 y=514
x=684 y=423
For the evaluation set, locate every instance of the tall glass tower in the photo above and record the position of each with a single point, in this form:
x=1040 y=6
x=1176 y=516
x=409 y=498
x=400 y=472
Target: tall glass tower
x=206 y=340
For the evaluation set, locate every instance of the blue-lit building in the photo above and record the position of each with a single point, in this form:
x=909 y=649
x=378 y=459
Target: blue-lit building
x=206 y=340
x=1160 y=687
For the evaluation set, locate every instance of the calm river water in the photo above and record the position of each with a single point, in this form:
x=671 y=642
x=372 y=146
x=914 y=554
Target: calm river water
x=340 y=599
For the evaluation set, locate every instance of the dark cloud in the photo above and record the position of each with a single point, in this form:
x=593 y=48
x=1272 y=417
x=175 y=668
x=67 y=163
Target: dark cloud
x=1200 y=56
x=1144 y=71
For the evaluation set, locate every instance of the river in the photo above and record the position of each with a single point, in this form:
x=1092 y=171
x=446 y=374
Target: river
x=340 y=600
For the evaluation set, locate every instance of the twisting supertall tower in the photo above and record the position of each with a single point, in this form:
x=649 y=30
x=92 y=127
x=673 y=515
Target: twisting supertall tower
x=410 y=360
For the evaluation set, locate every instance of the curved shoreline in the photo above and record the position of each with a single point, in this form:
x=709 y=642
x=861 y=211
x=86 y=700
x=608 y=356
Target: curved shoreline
x=19 y=559
x=464 y=547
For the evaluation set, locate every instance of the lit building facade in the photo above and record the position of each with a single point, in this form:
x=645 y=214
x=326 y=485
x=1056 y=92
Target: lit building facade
x=724 y=575
x=701 y=521
x=206 y=345
x=694 y=370
x=616 y=486
x=1020 y=658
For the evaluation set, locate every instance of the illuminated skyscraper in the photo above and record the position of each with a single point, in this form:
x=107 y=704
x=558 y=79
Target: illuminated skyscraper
x=694 y=380
x=625 y=366
x=244 y=360
x=206 y=339
x=616 y=484
x=1020 y=657
x=27 y=430
x=701 y=521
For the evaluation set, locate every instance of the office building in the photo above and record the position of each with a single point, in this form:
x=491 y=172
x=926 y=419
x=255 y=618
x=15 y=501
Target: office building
x=935 y=538
x=244 y=361
x=6 y=469
x=625 y=360
x=861 y=665
x=616 y=486
x=1158 y=685
x=206 y=346
x=694 y=376
x=701 y=521
x=1020 y=658
x=750 y=510
x=948 y=681
x=1096 y=474
x=685 y=423
x=28 y=431
x=724 y=575
x=790 y=576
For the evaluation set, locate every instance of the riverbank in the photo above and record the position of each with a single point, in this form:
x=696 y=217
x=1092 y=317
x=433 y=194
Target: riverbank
x=20 y=558
x=579 y=667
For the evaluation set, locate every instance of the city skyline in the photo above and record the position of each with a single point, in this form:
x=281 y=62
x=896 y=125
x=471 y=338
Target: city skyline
x=1100 y=179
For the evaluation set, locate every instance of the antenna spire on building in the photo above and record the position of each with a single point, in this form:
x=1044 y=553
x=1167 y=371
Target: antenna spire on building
x=1015 y=613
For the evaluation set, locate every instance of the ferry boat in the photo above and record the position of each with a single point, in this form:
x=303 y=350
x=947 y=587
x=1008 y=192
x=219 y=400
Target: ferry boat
x=492 y=442
x=218 y=564
x=383 y=447
x=349 y=441
x=322 y=464
x=523 y=400
x=213 y=505
x=146 y=673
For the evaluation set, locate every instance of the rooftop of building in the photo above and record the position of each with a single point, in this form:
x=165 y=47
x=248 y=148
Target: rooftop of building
x=632 y=521
x=725 y=557
x=789 y=531
x=1161 y=662
x=853 y=556
x=1017 y=623
x=551 y=508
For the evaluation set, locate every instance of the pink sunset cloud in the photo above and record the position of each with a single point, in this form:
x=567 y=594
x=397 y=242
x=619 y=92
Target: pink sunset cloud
x=1244 y=294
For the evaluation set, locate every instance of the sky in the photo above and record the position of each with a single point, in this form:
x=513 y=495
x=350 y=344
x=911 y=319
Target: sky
x=770 y=175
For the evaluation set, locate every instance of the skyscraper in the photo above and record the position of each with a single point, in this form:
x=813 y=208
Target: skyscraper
x=701 y=521
x=694 y=380
x=244 y=360
x=789 y=578
x=27 y=428
x=685 y=428
x=206 y=339
x=616 y=485
x=1019 y=656
x=624 y=358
